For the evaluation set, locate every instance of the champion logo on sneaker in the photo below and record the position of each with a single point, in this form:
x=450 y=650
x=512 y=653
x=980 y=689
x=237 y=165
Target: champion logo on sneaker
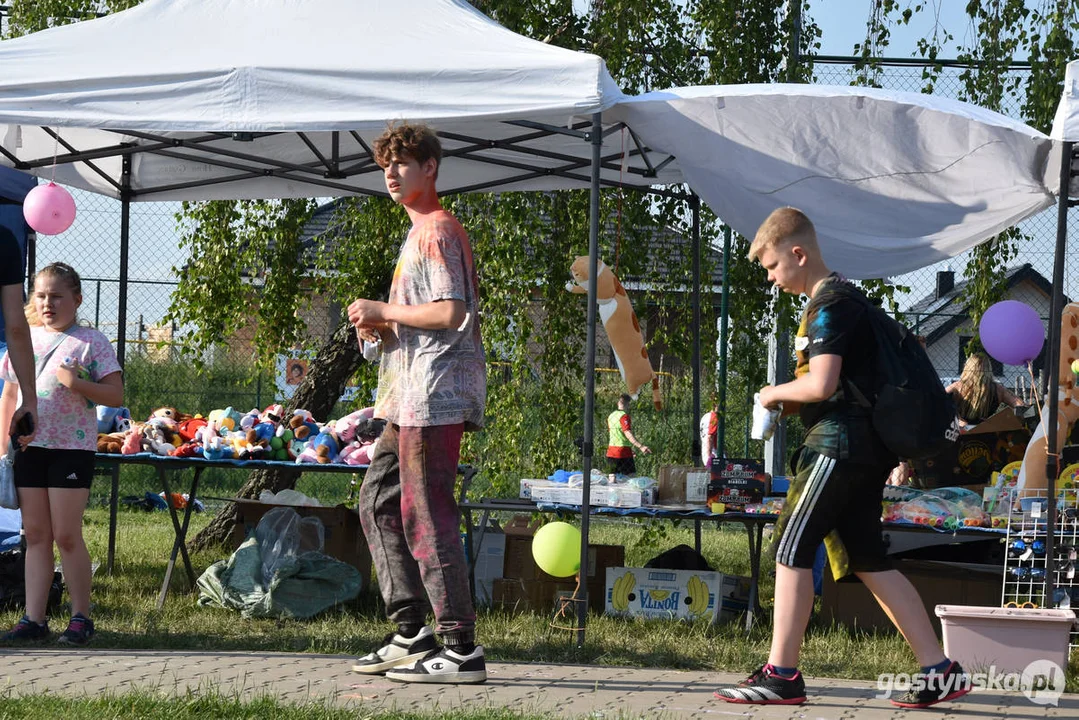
x=764 y=687
x=397 y=650
x=445 y=666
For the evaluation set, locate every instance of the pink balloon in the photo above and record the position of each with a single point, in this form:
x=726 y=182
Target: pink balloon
x=49 y=209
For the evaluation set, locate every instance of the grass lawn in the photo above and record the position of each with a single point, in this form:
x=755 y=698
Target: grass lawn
x=216 y=706
x=126 y=617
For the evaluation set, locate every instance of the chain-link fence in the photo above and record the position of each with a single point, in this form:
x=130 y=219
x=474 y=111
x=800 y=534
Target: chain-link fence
x=157 y=373
x=933 y=302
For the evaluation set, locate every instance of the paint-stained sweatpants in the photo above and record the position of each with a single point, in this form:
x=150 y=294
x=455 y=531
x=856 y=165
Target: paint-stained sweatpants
x=410 y=516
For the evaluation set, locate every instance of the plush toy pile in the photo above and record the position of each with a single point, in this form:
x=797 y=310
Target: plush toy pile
x=228 y=434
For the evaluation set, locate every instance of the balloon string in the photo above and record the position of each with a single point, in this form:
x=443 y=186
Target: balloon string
x=1034 y=383
x=567 y=606
x=55 y=152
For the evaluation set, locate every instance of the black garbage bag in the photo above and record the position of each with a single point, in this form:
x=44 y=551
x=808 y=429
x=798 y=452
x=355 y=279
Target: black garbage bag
x=680 y=557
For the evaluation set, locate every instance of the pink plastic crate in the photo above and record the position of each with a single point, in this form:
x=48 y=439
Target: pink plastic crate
x=1007 y=639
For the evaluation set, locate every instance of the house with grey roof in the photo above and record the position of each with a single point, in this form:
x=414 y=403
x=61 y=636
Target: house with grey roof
x=943 y=320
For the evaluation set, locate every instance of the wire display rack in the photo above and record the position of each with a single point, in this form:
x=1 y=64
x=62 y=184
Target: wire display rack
x=1027 y=561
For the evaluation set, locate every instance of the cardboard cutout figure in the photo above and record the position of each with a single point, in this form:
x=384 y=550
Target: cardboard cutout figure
x=1032 y=474
x=622 y=326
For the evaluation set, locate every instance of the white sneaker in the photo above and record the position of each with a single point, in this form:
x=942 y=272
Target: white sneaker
x=444 y=666
x=396 y=651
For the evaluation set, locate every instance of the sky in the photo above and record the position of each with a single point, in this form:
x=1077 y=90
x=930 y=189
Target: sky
x=843 y=24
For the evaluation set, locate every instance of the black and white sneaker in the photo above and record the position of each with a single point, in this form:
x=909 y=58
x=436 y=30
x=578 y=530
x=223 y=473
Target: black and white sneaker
x=396 y=651
x=764 y=687
x=444 y=666
x=937 y=687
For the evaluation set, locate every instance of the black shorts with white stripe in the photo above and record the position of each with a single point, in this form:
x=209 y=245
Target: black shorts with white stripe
x=38 y=467
x=827 y=494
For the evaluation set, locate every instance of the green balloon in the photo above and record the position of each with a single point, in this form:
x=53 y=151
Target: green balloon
x=556 y=548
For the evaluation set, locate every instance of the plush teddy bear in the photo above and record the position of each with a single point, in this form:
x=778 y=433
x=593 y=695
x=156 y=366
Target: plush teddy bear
x=111 y=442
x=303 y=424
x=326 y=445
x=191 y=448
x=214 y=446
x=266 y=427
x=167 y=411
x=133 y=442
x=228 y=419
x=355 y=453
x=249 y=420
x=622 y=326
x=189 y=428
x=154 y=441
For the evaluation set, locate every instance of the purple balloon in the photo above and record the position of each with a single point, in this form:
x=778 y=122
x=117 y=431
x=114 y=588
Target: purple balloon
x=1012 y=332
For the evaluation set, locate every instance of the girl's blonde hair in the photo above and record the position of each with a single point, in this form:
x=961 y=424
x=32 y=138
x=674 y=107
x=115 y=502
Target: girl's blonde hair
x=60 y=270
x=977 y=386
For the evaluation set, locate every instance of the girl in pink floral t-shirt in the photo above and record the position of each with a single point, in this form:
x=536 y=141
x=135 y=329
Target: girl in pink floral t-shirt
x=76 y=369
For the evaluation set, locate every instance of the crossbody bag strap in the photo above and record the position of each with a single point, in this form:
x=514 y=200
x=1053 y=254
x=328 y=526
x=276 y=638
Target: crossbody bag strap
x=44 y=359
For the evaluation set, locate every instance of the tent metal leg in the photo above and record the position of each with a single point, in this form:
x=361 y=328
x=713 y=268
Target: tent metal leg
x=1056 y=309
x=596 y=138
x=695 y=414
x=725 y=303
x=125 y=252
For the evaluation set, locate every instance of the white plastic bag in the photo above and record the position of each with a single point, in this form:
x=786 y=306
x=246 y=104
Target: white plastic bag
x=288 y=496
x=282 y=535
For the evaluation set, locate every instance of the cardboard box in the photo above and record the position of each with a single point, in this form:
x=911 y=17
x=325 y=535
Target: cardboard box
x=675 y=594
x=519 y=564
x=526 y=485
x=601 y=495
x=566 y=495
x=344 y=538
x=978 y=453
x=542 y=596
x=737 y=481
x=682 y=484
x=938 y=583
x=733 y=596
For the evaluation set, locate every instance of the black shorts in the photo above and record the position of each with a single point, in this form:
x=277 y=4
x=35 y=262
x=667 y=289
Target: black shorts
x=38 y=467
x=825 y=495
x=623 y=466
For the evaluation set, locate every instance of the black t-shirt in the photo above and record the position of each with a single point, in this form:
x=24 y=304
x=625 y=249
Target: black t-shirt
x=835 y=324
x=11 y=266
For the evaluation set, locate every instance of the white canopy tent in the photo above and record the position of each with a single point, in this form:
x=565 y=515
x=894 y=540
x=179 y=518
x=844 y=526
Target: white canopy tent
x=893 y=181
x=217 y=99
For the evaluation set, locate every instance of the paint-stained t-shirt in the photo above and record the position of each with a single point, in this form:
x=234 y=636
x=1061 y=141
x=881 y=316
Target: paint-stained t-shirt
x=434 y=377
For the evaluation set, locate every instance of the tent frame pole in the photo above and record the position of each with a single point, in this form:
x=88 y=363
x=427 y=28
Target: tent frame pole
x=721 y=431
x=1056 y=311
x=695 y=206
x=596 y=138
x=125 y=252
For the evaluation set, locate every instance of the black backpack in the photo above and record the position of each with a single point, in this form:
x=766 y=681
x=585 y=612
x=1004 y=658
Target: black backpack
x=911 y=412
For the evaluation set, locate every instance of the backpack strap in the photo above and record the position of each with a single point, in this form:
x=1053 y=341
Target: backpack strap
x=850 y=292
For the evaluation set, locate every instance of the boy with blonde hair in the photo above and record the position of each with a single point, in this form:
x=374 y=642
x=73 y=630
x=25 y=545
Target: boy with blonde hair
x=840 y=472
